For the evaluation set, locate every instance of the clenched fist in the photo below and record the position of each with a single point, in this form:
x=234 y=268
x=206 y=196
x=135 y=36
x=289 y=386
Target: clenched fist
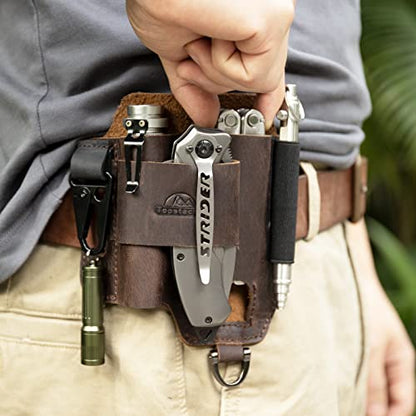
x=209 y=47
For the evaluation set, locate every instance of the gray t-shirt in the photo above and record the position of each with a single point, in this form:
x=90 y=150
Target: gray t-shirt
x=65 y=65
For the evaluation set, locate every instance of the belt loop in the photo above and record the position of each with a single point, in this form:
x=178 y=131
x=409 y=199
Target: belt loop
x=360 y=188
x=314 y=200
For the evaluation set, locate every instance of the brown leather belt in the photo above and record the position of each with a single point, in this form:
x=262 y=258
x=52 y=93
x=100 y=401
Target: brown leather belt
x=343 y=195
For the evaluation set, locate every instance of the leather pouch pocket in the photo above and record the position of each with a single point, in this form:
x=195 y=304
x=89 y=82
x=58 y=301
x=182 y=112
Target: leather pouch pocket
x=160 y=215
x=162 y=212
x=148 y=223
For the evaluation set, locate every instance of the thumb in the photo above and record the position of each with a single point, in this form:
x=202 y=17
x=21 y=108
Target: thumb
x=201 y=106
x=269 y=103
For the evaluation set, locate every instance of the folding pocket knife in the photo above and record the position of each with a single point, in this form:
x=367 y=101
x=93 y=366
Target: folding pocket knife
x=204 y=273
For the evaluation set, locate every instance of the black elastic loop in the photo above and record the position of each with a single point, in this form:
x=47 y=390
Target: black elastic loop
x=284 y=201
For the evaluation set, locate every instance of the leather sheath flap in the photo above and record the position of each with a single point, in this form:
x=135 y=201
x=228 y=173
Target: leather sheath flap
x=162 y=211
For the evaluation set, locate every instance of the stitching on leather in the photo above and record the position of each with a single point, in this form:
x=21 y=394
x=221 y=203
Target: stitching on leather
x=115 y=263
x=114 y=252
x=93 y=146
x=115 y=269
x=257 y=335
x=252 y=304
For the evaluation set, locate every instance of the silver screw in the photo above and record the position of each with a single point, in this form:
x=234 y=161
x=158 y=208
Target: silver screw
x=84 y=193
x=282 y=115
x=230 y=120
x=218 y=148
x=189 y=149
x=253 y=120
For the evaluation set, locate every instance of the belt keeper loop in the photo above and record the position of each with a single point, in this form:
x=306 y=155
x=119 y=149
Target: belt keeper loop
x=360 y=189
x=314 y=200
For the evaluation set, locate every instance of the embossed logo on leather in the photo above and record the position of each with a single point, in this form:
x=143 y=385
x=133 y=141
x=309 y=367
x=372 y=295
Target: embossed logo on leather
x=177 y=204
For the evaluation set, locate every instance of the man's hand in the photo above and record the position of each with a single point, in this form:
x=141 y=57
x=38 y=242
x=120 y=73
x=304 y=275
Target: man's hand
x=391 y=382
x=209 y=47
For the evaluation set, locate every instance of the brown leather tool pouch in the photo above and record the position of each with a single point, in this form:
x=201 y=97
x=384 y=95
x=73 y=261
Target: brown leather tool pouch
x=146 y=224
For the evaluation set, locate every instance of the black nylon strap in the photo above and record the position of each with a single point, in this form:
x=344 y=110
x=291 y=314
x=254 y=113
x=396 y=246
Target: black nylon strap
x=90 y=161
x=91 y=182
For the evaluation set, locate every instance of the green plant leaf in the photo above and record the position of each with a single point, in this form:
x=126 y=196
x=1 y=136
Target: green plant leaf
x=389 y=55
x=396 y=257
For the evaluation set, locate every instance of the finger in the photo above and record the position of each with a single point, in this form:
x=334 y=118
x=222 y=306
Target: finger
x=269 y=103
x=401 y=381
x=377 y=385
x=228 y=59
x=202 y=107
x=224 y=64
x=190 y=71
x=201 y=52
x=263 y=70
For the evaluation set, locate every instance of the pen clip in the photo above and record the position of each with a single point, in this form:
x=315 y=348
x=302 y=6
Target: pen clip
x=136 y=131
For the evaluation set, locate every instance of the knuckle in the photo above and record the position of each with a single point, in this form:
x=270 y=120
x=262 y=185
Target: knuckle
x=161 y=10
x=247 y=79
x=284 y=11
x=271 y=84
x=259 y=80
x=218 y=63
x=289 y=12
x=377 y=386
x=408 y=353
x=377 y=389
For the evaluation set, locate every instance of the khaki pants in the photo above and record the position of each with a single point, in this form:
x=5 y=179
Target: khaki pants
x=312 y=361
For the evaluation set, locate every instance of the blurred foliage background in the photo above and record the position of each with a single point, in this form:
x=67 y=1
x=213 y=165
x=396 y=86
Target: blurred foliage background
x=389 y=54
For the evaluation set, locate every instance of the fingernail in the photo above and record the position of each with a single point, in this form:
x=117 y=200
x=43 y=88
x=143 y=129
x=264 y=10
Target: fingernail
x=195 y=59
x=268 y=124
x=376 y=409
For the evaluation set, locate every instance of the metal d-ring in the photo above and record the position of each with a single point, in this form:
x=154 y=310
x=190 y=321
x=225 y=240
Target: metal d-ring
x=245 y=366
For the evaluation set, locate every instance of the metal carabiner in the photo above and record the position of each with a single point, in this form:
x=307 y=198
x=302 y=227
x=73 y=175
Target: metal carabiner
x=213 y=358
x=92 y=200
